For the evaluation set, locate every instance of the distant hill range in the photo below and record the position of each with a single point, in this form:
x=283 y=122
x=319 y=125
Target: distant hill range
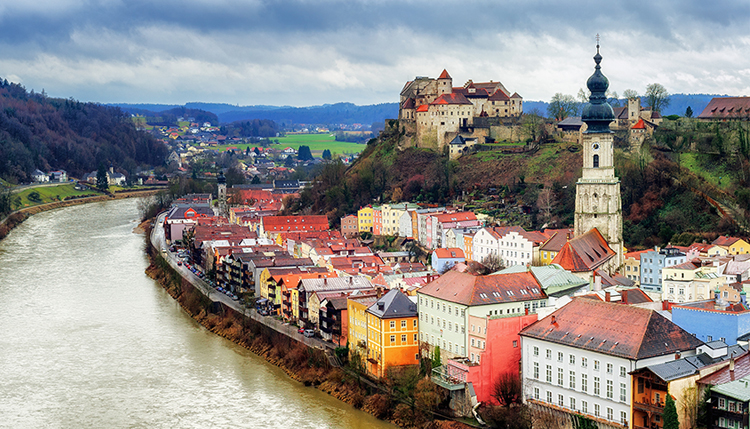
x=348 y=113
x=678 y=103
x=339 y=113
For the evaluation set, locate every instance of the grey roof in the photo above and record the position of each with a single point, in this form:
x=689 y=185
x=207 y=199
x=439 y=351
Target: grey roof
x=716 y=345
x=394 y=304
x=571 y=120
x=738 y=389
x=554 y=279
x=690 y=365
x=335 y=283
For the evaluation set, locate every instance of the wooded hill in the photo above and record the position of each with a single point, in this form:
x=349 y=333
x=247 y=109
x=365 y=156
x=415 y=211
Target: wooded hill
x=63 y=134
x=661 y=200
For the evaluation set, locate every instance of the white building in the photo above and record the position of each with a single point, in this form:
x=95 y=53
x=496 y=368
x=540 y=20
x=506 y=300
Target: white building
x=579 y=358
x=446 y=304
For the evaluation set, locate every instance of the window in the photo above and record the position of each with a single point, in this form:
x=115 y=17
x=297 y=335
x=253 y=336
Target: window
x=415 y=323
x=536 y=370
x=596 y=161
x=572 y=359
x=732 y=406
x=623 y=417
x=572 y=403
x=415 y=338
x=515 y=344
x=393 y=339
x=584 y=407
x=403 y=324
x=610 y=388
x=559 y=356
x=610 y=415
x=596 y=365
x=623 y=371
x=536 y=393
x=596 y=386
x=597 y=410
x=560 y=400
x=403 y=338
x=584 y=362
x=722 y=403
x=393 y=324
x=609 y=368
x=549 y=397
x=559 y=376
x=572 y=379
x=549 y=373
x=623 y=392
x=549 y=354
x=584 y=382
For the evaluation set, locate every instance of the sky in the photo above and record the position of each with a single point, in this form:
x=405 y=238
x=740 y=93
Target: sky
x=305 y=52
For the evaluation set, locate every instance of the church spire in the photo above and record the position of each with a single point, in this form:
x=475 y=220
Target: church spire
x=597 y=113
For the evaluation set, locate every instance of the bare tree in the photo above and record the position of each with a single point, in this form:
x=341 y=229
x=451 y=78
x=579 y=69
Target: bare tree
x=492 y=263
x=562 y=105
x=630 y=94
x=545 y=202
x=657 y=97
x=508 y=389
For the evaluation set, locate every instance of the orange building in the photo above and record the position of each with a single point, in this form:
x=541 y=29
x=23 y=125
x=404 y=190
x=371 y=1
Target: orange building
x=392 y=333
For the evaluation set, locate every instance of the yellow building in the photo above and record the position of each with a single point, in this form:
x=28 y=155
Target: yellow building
x=733 y=245
x=392 y=333
x=469 y=246
x=550 y=248
x=356 y=307
x=365 y=219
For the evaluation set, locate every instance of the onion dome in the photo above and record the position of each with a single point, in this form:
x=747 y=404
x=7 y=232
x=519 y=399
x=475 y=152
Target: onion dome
x=597 y=113
x=221 y=180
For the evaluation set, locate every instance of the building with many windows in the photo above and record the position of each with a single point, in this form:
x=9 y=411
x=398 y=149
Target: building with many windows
x=447 y=305
x=652 y=264
x=579 y=358
x=392 y=327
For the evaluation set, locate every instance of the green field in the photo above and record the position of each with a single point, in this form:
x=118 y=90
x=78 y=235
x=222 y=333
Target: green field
x=714 y=173
x=49 y=194
x=317 y=143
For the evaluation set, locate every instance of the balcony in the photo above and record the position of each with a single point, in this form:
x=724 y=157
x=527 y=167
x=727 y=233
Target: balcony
x=443 y=378
x=646 y=407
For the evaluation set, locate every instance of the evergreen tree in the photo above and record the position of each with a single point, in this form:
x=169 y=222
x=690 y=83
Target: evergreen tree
x=436 y=360
x=326 y=154
x=671 y=421
x=304 y=153
x=101 y=178
x=689 y=112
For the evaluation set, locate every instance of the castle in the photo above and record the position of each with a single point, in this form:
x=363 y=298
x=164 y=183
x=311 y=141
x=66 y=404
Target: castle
x=433 y=112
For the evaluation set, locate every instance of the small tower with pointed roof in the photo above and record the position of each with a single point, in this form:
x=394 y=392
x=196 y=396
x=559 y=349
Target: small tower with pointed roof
x=445 y=83
x=598 y=202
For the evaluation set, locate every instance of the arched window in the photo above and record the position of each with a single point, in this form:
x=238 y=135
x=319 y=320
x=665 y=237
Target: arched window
x=596 y=161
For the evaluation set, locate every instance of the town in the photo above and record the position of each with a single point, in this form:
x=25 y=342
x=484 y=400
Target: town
x=586 y=331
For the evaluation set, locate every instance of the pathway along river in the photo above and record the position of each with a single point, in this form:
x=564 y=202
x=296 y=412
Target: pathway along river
x=87 y=340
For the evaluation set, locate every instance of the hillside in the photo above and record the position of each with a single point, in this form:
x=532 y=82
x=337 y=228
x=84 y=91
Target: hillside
x=60 y=134
x=661 y=201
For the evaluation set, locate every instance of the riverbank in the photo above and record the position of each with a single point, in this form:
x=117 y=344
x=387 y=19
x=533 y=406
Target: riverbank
x=307 y=365
x=17 y=217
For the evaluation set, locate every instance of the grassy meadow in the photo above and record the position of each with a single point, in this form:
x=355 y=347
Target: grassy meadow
x=317 y=143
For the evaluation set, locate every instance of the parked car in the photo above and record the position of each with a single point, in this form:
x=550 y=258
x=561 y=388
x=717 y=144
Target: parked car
x=308 y=333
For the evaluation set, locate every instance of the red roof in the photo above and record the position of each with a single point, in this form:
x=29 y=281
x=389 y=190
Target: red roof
x=456 y=217
x=444 y=75
x=471 y=290
x=499 y=95
x=453 y=252
x=637 y=254
x=612 y=329
x=724 y=375
x=725 y=240
x=726 y=107
x=640 y=125
x=423 y=108
x=452 y=98
x=584 y=253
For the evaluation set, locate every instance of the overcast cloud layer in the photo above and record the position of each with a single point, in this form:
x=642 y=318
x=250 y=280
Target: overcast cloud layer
x=308 y=52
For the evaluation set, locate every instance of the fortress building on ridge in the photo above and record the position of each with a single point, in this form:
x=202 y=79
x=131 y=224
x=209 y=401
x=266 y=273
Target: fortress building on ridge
x=434 y=113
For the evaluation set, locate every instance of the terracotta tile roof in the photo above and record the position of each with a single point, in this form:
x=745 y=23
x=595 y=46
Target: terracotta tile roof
x=449 y=253
x=612 y=329
x=621 y=112
x=444 y=75
x=499 y=95
x=456 y=217
x=423 y=108
x=637 y=254
x=724 y=375
x=471 y=290
x=640 y=125
x=556 y=242
x=409 y=104
x=725 y=241
x=452 y=98
x=584 y=253
x=726 y=107
x=515 y=95
x=689 y=265
x=634 y=296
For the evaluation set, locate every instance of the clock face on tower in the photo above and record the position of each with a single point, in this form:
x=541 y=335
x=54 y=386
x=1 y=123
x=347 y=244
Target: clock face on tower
x=595 y=146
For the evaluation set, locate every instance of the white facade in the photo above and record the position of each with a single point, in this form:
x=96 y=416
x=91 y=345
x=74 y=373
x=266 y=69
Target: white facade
x=485 y=243
x=443 y=323
x=515 y=249
x=587 y=382
x=404 y=225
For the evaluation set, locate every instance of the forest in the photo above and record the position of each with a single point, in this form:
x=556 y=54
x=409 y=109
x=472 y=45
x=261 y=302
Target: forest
x=38 y=132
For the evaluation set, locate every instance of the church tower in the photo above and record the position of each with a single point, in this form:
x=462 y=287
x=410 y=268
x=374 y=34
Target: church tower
x=598 y=203
x=222 y=195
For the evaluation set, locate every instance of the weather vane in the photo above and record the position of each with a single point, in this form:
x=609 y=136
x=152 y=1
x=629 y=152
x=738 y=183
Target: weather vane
x=597 y=43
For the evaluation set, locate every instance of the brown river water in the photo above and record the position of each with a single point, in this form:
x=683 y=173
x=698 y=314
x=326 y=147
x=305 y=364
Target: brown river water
x=87 y=340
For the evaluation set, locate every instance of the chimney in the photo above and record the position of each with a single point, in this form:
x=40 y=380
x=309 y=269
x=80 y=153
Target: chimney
x=553 y=320
x=597 y=283
x=351 y=280
x=325 y=280
x=731 y=366
x=607 y=296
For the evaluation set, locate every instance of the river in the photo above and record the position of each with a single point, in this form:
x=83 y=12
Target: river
x=87 y=340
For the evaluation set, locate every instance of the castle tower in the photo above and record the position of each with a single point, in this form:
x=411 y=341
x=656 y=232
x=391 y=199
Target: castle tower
x=222 y=195
x=598 y=203
x=444 y=83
